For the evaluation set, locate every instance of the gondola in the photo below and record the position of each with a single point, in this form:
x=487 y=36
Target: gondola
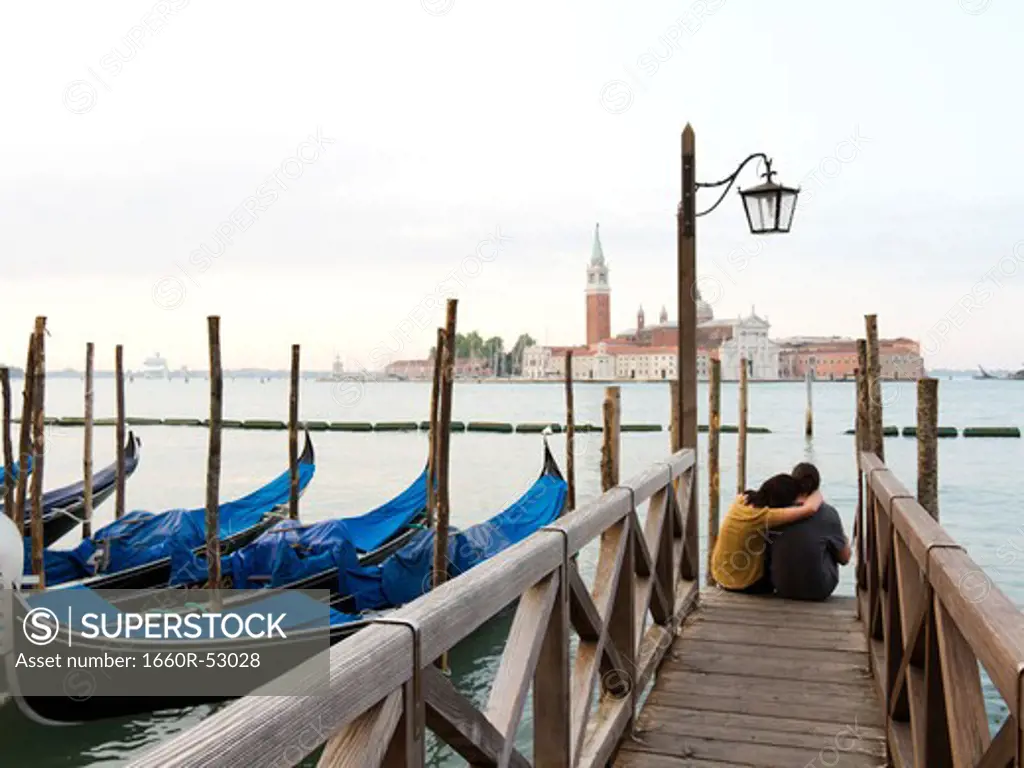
x=134 y=553
x=63 y=508
x=405 y=575
x=289 y=548
x=400 y=578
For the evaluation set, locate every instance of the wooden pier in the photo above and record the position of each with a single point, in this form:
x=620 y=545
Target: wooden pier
x=890 y=677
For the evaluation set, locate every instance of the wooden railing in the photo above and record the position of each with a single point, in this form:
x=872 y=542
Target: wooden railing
x=384 y=690
x=931 y=615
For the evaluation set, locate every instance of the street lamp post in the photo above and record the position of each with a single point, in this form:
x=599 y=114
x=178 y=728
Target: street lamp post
x=769 y=208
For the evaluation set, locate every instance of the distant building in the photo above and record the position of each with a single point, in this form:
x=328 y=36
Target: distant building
x=832 y=358
x=473 y=367
x=650 y=352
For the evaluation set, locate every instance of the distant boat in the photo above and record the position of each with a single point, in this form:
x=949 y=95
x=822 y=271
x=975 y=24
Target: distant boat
x=155 y=367
x=1016 y=376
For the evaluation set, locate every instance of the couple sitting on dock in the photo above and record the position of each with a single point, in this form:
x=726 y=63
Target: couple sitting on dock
x=782 y=539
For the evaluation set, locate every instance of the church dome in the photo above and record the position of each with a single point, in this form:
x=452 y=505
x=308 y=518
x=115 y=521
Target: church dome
x=704 y=311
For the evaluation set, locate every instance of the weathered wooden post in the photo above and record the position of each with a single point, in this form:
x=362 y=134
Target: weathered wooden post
x=874 y=378
x=714 y=471
x=213 y=460
x=435 y=394
x=119 y=431
x=38 y=449
x=443 y=440
x=293 y=437
x=612 y=411
x=5 y=385
x=862 y=441
x=928 y=445
x=25 y=435
x=87 y=447
x=809 y=415
x=741 y=432
x=570 y=437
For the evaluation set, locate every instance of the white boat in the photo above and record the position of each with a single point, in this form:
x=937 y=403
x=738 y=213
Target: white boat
x=155 y=367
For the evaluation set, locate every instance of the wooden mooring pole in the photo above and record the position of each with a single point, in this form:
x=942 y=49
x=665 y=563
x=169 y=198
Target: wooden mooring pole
x=87 y=446
x=874 y=379
x=570 y=437
x=119 y=431
x=444 y=428
x=213 y=460
x=741 y=432
x=435 y=395
x=38 y=449
x=928 y=445
x=809 y=414
x=714 y=469
x=612 y=413
x=5 y=385
x=293 y=437
x=25 y=435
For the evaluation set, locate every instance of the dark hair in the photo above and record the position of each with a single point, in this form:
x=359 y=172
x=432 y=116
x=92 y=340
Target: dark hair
x=779 y=491
x=807 y=478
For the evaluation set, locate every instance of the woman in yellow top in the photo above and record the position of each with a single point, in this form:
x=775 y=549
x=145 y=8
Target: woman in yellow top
x=739 y=562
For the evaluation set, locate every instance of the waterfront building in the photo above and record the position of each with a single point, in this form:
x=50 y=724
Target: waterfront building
x=835 y=358
x=650 y=352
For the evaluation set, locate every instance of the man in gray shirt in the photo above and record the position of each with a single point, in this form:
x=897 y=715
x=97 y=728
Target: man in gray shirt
x=806 y=555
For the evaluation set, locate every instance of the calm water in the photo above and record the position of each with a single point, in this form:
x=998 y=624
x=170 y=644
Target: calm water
x=356 y=471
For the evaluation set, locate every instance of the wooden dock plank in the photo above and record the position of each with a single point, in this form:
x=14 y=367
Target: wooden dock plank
x=759 y=682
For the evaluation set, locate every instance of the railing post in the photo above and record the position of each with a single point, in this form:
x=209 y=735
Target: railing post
x=552 y=728
x=714 y=424
x=928 y=445
x=809 y=414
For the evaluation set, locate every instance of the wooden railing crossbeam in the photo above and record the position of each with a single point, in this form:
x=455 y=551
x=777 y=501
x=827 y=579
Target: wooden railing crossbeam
x=461 y=725
x=522 y=649
x=368 y=735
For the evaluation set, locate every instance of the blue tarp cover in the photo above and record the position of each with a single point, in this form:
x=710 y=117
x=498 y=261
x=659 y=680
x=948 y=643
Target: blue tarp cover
x=141 y=537
x=13 y=472
x=406 y=575
x=291 y=551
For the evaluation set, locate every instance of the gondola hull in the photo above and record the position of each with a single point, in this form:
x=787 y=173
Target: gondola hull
x=64 y=508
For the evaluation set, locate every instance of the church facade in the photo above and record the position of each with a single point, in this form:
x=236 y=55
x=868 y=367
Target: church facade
x=649 y=352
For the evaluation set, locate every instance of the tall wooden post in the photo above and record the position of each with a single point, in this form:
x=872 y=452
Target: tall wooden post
x=741 y=430
x=213 y=459
x=435 y=394
x=38 y=449
x=612 y=412
x=25 y=435
x=686 y=268
x=863 y=442
x=87 y=447
x=874 y=374
x=5 y=385
x=714 y=426
x=928 y=445
x=443 y=440
x=119 y=432
x=570 y=436
x=809 y=415
x=293 y=437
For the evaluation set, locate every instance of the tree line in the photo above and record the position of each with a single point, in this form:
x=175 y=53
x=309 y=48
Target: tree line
x=492 y=350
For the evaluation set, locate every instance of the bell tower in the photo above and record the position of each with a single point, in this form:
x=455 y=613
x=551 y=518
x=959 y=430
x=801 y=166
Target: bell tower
x=599 y=325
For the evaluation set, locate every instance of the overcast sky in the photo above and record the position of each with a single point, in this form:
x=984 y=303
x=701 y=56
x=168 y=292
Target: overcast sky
x=148 y=159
